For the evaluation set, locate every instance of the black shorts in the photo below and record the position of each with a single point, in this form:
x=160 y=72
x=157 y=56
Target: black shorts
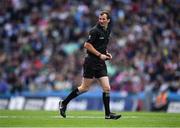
x=94 y=68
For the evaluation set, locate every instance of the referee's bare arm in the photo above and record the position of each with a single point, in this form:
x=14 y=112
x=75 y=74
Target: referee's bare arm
x=91 y=49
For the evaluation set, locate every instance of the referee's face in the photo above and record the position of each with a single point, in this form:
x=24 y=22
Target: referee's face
x=103 y=21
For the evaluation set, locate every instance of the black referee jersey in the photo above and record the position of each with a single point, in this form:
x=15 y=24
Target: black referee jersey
x=99 y=38
x=93 y=65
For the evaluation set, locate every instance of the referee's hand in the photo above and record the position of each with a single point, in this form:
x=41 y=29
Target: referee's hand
x=105 y=57
x=109 y=55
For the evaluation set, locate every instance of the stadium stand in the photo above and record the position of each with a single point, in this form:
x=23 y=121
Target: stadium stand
x=41 y=45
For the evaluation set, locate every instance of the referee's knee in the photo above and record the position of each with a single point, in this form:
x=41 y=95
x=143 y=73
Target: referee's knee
x=107 y=89
x=83 y=88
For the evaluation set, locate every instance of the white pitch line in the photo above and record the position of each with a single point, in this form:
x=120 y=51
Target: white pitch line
x=80 y=117
x=97 y=117
x=90 y=127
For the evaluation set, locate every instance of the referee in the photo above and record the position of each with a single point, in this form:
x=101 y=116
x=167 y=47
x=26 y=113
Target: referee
x=94 y=65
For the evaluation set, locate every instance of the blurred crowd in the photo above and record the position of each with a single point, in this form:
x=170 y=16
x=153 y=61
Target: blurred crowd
x=41 y=44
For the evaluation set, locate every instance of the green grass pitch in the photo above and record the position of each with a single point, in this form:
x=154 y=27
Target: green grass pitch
x=87 y=119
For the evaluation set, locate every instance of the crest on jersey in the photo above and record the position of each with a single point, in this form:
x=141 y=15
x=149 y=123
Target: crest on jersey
x=89 y=37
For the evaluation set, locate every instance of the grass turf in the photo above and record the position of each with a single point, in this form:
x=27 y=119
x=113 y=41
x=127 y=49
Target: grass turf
x=87 y=119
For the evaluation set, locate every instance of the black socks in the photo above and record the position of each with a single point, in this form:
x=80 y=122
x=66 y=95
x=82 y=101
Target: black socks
x=72 y=95
x=75 y=93
x=106 y=100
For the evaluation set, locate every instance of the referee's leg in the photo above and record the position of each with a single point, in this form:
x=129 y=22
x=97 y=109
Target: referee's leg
x=104 y=81
x=85 y=85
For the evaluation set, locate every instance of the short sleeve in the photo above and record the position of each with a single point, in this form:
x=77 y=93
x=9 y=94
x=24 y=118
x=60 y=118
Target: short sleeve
x=92 y=36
